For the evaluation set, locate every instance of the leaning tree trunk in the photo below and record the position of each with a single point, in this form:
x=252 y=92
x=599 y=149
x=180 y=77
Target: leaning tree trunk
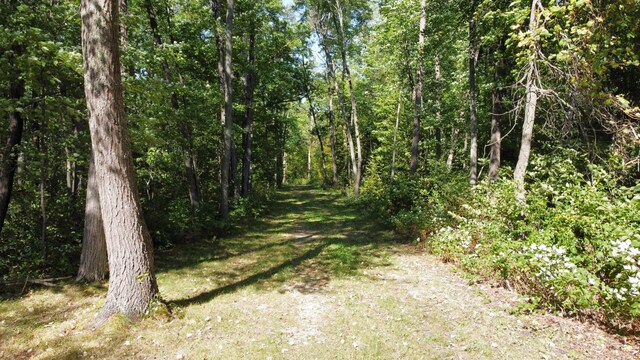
x=531 y=91
x=93 y=259
x=132 y=282
x=9 y=160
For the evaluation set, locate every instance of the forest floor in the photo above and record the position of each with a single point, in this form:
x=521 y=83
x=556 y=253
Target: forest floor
x=314 y=278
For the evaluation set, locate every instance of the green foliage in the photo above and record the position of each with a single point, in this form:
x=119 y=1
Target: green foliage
x=575 y=246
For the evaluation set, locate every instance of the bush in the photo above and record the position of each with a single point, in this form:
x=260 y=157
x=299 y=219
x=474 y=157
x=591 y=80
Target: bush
x=574 y=247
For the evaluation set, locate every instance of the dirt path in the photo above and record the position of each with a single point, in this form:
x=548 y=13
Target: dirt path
x=313 y=279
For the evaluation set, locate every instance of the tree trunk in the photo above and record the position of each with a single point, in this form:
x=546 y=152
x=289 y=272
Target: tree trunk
x=309 y=162
x=312 y=113
x=332 y=134
x=132 y=285
x=332 y=68
x=452 y=149
x=9 y=160
x=531 y=92
x=184 y=129
x=438 y=73
x=42 y=149
x=247 y=140
x=417 y=93
x=93 y=259
x=227 y=112
x=496 y=116
x=395 y=138
x=357 y=169
x=473 y=121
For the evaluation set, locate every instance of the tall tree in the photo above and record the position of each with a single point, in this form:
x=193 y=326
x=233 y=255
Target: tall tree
x=417 y=91
x=531 y=99
x=183 y=127
x=9 y=160
x=225 y=51
x=473 y=118
x=132 y=282
x=339 y=24
x=247 y=125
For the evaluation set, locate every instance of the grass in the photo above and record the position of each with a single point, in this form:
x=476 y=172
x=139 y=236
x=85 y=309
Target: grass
x=305 y=241
x=314 y=278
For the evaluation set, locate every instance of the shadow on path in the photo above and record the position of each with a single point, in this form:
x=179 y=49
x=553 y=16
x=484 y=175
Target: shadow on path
x=309 y=237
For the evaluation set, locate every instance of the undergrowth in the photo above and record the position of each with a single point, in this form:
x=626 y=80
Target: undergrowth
x=573 y=247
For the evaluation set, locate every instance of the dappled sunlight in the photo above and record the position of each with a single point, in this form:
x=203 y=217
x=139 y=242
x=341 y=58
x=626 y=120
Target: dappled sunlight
x=301 y=247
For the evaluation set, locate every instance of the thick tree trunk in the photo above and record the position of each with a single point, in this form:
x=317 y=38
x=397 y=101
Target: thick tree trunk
x=473 y=120
x=132 y=285
x=531 y=92
x=9 y=160
x=93 y=259
x=247 y=140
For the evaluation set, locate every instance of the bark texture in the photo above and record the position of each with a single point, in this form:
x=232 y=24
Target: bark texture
x=93 y=259
x=132 y=285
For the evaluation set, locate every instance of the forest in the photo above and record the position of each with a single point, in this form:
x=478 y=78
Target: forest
x=151 y=144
